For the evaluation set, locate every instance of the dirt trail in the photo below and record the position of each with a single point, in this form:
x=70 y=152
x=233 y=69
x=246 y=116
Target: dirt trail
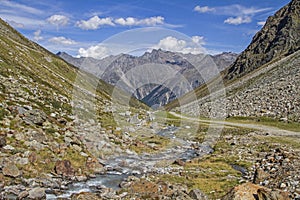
x=271 y=130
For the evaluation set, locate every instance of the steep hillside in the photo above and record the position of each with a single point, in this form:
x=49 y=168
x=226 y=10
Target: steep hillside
x=263 y=81
x=55 y=121
x=279 y=37
x=272 y=91
x=180 y=74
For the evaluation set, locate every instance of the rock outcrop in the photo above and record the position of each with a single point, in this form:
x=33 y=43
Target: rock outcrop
x=279 y=37
x=250 y=191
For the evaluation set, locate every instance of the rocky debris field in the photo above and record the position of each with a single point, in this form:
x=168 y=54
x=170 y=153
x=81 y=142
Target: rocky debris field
x=258 y=167
x=271 y=92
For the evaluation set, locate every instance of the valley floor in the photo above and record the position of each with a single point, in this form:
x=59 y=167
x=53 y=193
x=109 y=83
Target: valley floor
x=240 y=152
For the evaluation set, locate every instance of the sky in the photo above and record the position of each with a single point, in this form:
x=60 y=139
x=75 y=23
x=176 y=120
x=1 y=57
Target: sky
x=98 y=28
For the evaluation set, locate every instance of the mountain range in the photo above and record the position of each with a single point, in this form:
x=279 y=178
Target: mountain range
x=157 y=77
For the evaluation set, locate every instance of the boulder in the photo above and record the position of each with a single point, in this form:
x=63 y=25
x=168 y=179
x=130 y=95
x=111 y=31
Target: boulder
x=259 y=176
x=64 y=168
x=34 y=116
x=250 y=191
x=94 y=165
x=197 y=195
x=11 y=170
x=23 y=195
x=84 y=196
x=37 y=193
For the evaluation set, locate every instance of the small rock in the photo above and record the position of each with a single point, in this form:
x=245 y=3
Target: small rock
x=81 y=178
x=2 y=141
x=37 y=193
x=23 y=195
x=32 y=157
x=77 y=148
x=64 y=168
x=197 y=194
x=83 y=154
x=11 y=170
x=179 y=162
x=94 y=165
x=282 y=185
x=21 y=161
x=259 y=176
x=9 y=147
x=84 y=196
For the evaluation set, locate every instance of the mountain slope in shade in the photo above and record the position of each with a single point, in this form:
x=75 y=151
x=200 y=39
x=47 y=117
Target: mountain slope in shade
x=156 y=77
x=279 y=37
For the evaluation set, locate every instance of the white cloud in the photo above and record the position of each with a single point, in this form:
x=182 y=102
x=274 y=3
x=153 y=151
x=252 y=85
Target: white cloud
x=261 y=23
x=238 y=10
x=20 y=7
x=198 y=40
x=37 y=35
x=173 y=44
x=152 y=21
x=62 y=41
x=58 y=20
x=94 y=23
x=203 y=9
x=23 y=22
x=97 y=51
x=238 y=20
x=238 y=14
x=130 y=21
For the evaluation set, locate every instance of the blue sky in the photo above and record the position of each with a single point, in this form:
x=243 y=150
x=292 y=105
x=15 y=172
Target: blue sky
x=98 y=28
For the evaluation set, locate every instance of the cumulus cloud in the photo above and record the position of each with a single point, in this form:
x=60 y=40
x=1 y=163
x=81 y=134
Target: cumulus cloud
x=203 y=9
x=97 y=51
x=62 y=41
x=198 y=40
x=58 y=20
x=171 y=43
x=238 y=20
x=37 y=35
x=94 y=23
x=152 y=21
x=130 y=21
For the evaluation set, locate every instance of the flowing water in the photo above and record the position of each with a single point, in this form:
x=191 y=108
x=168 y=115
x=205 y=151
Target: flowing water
x=120 y=167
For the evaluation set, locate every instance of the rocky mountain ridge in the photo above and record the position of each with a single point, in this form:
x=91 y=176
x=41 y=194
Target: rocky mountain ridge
x=279 y=37
x=272 y=91
x=262 y=82
x=181 y=73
